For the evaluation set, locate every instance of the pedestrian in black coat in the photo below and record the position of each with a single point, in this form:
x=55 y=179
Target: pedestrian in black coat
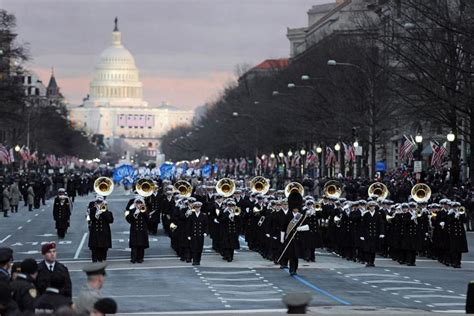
x=197 y=229
x=52 y=299
x=23 y=288
x=62 y=213
x=136 y=215
x=50 y=267
x=100 y=236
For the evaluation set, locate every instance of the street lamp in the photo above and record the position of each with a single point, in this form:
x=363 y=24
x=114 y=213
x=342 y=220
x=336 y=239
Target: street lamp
x=263 y=157
x=272 y=155
x=17 y=148
x=304 y=77
x=451 y=137
x=235 y=114
x=419 y=138
x=291 y=85
x=290 y=153
x=337 y=147
x=332 y=62
x=356 y=144
x=275 y=92
x=281 y=154
x=302 y=152
x=319 y=149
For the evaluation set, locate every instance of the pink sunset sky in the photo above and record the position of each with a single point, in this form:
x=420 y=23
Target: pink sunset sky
x=186 y=50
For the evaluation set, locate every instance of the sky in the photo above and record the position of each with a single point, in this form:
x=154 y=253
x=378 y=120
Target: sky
x=186 y=50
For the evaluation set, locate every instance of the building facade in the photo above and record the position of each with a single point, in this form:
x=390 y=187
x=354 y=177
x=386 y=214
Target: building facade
x=115 y=109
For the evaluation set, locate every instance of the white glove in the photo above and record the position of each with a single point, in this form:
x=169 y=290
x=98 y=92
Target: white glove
x=216 y=221
x=205 y=235
x=441 y=224
x=303 y=228
x=362 y=238
x=457 y=215
x=274 y=237
x=381 y=236
x=267 y=235
x=282 y=237
x=247 y=209
x=413 y=217
x=189 y=238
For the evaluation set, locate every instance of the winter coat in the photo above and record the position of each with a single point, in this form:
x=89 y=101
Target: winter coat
x=15 y=194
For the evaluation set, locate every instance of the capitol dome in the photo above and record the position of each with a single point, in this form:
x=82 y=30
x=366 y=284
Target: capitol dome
x=116 y=79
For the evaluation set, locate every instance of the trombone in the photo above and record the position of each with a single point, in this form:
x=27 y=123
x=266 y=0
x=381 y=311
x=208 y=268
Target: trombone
x=332 y=188
x=103 y=186
x=225 y=187
x=259 y=184
x=294 y=187
x=378 y=190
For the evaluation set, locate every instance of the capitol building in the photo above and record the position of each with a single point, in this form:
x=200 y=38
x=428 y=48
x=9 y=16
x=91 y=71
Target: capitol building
x=115 y=109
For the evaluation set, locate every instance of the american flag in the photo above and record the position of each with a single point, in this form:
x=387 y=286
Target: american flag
x=438 y=154
x=24 y=153
x=243 y=164
x=4 y=155
x=311 y=159
x=330 y=156
x=406 y=150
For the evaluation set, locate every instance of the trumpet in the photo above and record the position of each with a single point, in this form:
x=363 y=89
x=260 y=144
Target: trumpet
x=141 y=207
x=102 y=207
x=462 y=210
x=237 y=211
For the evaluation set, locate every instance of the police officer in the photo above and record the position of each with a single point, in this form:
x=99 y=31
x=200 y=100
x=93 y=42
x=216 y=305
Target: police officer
x=23 y=288
x=52 y=299
x=100 y=237
x=6 y=259
x=62 y=213
x=91 y=291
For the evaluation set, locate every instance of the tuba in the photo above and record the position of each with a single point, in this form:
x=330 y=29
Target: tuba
x=103 y=186
x=259 y=184
x=145 y=187
x=378 y=190
x=292 y=187
x=332 y=188
x=225 y=186
x=183 y=187
x=421 y=192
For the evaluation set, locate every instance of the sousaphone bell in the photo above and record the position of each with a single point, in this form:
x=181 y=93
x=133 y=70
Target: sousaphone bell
x=294 y=187
x=225 y=187
x=421 y=192
x=184 y=188
x=378 y=190
x=332 y=188
x=259 y=185
x=103 y=186
x=145 y=187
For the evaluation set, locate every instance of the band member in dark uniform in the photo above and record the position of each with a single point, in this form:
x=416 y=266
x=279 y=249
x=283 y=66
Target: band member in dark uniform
x=291 y=238
x=62 y=212
x=167 y=207
x=197 y=230
x=100 y=237
x=153 y=205
x=229 y=220
x=457 y=235
x=136 y=215
x=372 y=229
x=312 y=237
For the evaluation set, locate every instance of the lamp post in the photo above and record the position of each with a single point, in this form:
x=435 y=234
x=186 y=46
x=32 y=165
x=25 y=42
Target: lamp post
x=303 y=160
x=371 y=108
x=453 y=168
x=319 y=151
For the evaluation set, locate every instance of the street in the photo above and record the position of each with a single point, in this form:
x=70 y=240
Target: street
x=165 y=284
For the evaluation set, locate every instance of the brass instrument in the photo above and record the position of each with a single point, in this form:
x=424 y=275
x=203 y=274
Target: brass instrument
x=183 y=187
x=332 y=188
x=389 y=218
x=225 y=187
x=292 y=187
x=237 y=211
x=103 y=186
x=103 y=207
x=145 y=187
x=318 y=206
x=260 y=221
x=259 y=184
x=378 y=190
x=421 y=192
x=141 y=207
x=462 y=210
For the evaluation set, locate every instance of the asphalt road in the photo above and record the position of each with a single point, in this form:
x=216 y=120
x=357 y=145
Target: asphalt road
x=164 y=284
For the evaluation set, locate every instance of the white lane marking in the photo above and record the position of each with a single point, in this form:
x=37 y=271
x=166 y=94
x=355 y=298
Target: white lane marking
x=227 y=272
x=239 y=280
x=417 y=301
x=137 y=268
x=249 y=293
x=452 y=311
x=448 y=304
x=241 y=285
x=36 y=215
x=370 y=275
x=434 y=296
x=4 y=239
x=28 y=221
x=224 y=311
x=253 y=299
x=145 y=295
x=409 y=288
x=391 y=281
x=78 y=251
x=20 y=227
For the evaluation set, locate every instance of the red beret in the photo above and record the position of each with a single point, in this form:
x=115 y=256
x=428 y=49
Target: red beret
x=47 y=247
